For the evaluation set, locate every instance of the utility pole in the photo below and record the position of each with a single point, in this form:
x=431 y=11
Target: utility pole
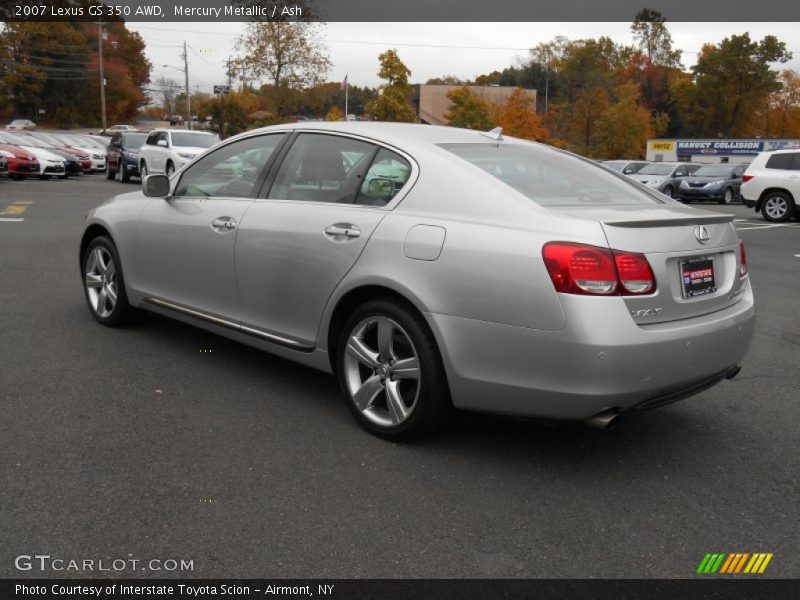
x=188 y=91
x=230 y=83
x=100 y=37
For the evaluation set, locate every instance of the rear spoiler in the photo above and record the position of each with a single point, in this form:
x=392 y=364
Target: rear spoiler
x=698 y=220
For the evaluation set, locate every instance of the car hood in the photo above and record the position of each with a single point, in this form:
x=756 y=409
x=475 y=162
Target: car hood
x=704 y=179
x=43 y=154
x=640 y=177
x=195 y=150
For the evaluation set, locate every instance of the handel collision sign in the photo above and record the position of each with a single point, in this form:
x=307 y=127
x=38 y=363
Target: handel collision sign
x=720 y=147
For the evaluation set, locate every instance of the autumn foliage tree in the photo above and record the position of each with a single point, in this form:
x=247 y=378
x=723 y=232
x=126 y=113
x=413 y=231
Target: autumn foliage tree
x=392 y=103
x=467 y=110
x=623 y=128
x=518 y=118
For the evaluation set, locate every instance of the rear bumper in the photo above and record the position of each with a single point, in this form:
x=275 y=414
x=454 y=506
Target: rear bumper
x=600 y=360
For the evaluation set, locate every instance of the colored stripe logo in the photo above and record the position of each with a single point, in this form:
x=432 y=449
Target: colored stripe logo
x=734 y=563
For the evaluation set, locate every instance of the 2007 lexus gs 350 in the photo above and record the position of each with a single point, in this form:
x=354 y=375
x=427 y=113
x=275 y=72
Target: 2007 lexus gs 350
x=433 y=268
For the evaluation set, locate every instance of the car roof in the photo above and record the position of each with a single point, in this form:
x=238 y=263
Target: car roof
x=782 y=151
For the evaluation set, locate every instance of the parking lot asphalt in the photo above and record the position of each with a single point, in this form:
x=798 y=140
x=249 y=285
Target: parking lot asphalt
x=163 y=441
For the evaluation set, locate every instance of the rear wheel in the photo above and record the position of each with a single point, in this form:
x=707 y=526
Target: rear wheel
x=391 y=373
x=143 y=170
x=777 y=207
x=104 y=284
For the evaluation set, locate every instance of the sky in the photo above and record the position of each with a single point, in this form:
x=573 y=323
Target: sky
x=428 y=49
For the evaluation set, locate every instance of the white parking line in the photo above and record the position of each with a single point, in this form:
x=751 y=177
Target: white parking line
x=11 y=220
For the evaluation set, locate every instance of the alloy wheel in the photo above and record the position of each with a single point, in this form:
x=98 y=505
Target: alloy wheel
x=382 y=371
x=776 y=207
x=100 y=279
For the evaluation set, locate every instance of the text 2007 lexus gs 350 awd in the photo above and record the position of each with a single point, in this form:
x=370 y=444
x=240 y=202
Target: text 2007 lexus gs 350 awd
x=431 y=268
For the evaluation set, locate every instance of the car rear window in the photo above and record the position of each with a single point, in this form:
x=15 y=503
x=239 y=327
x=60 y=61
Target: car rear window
x=789 y=161
x=550 y=177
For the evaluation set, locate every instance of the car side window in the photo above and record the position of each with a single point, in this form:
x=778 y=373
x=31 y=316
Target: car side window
x=152 y=139
x=323 y=168
x=164 y=136
x=387 y=174
x=795 y=166
x=680 y=171
x=780 y=161
x=231 y=171
x=738 y=172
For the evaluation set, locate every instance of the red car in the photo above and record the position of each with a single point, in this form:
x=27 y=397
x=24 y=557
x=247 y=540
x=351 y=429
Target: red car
x=85 y=159
x=20 y=162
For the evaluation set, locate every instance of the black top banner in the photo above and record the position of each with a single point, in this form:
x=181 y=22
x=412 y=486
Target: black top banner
x=398 y=11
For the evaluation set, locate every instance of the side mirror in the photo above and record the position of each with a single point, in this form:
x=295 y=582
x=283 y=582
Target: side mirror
x=627 y=171
x=156 y=186
x=162 y=143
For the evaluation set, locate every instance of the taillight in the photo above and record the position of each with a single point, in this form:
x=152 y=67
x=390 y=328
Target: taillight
x=742 y=260
x=746 y=178
x=593 y=271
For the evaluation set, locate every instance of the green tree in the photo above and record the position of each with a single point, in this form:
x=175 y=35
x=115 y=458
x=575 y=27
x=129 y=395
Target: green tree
x=654 y=39
x=289 y=53
x=623 y=128
x=392 y=104
x=467 y=110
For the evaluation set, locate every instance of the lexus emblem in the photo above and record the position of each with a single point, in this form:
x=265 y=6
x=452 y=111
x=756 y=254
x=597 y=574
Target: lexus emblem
x=702 y=235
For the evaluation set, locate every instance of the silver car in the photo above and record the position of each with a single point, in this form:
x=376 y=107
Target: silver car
x=665 y=177
x=431 y=268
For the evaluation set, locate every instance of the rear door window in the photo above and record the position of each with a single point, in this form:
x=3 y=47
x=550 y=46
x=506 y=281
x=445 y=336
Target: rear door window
x=387 y=174
x=784 y=161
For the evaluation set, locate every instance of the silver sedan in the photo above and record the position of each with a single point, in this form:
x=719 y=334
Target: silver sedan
x=433 y=268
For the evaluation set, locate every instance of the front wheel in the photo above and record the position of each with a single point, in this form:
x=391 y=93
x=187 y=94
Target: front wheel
x=777 y=207
x=669 y=191
x=391 y=372
x=104 y=284
x=727 y=196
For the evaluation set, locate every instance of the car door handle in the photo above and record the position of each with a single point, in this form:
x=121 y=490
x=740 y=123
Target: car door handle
x=343 y=230
x=223 y=224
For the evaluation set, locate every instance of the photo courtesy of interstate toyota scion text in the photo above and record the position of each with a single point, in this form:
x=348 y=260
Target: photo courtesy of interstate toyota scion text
x=431 y=269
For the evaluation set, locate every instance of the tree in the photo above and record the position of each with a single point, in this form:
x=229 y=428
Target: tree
x=624 y=126
x=467 y=110
x=335 y=114
x=654 y=39
x=446 y=80
x=578 y=119
x=289 y=53
x=392 y=104
x=731 y=79
x=518 y=118
x=168 y=88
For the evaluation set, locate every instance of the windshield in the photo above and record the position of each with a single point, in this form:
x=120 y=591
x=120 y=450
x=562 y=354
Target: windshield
x=617 y=165
x=196 y=140
x=655 y=169
x=550 y=177
x=134 y=140
x=713 y=171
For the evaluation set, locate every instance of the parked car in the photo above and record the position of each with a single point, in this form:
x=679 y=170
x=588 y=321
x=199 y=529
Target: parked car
x=3 y=165
x=85 y=145
x=72 y=165
x=665 y=177
x=771 y=185
x=167 y=150
x=119 y=128
x=626 y=167
x=122 y=156
x=21 y=125
x=19 y=161
x=82 y=155
x=719 y=182
x=50 y=164
x=497 y=275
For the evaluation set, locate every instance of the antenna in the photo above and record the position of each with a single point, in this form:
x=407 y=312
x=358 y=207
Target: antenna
x=495 y=134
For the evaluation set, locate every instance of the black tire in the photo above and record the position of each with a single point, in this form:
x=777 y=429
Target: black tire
x=777 y=207
x=124 y=175
x=433 y=406
x=109 y=173
x=728 y=195
x=122 y=313
x=669 y=191
x=143 y=170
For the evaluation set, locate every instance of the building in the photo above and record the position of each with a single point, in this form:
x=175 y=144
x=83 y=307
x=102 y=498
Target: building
x=713 y=150
x=432 y=101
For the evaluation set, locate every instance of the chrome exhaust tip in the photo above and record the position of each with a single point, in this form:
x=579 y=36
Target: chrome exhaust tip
x=733 y=372
x=604 y=420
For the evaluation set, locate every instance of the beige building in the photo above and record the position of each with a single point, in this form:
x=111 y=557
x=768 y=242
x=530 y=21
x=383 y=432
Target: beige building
x=433 y=100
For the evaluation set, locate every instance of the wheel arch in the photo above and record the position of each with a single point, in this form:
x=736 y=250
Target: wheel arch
x=92 y=231
x=771 y=190
x=353 y=298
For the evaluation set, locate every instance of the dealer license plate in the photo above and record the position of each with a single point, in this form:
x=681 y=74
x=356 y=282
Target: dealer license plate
x=697 y=277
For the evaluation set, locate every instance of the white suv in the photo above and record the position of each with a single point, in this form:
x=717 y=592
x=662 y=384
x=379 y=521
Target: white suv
x=167 y=150
x=771 y=185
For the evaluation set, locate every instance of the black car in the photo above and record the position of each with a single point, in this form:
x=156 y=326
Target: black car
x=719 y=182
x=122 y=156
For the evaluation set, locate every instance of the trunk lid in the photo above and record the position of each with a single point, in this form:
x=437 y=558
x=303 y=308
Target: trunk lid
x=670 y=237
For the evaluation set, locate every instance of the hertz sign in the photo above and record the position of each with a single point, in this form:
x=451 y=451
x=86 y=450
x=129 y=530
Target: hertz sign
x=663 y=146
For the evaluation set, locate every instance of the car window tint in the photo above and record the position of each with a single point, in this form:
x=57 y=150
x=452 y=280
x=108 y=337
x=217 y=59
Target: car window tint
x=779 y=161
x=551 y=178
x=323 y=168
x=387 y=174
x=795 y=161
x=232 y=171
